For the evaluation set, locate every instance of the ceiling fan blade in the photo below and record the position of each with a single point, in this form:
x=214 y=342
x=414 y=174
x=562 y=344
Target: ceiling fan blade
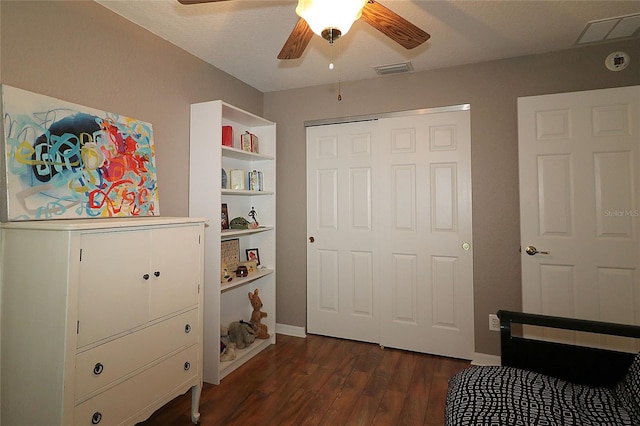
x=297 y=41
x=198 y=1
x=393 y=25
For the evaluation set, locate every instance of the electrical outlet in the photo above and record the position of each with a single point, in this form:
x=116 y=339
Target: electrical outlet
x=494 y=322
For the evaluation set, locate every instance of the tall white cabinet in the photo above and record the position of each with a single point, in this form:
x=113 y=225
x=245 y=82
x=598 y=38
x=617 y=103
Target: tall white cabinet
x=229 y=301
x=101 y=319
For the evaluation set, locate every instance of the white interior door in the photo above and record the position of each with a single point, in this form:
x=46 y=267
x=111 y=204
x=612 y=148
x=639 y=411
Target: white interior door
x=426 y=261
x=342 y=284
x=389 y=212
x=579 y=181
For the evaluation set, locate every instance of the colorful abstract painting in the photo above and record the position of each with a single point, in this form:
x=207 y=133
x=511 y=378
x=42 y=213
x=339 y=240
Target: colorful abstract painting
x=68 y=161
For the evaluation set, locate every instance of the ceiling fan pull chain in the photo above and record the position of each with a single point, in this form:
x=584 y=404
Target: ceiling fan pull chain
x=331 y=56
x=339 y=76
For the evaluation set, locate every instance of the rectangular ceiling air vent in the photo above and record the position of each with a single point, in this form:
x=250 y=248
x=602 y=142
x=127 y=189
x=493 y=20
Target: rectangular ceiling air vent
x=394 y=68
x=610 y=29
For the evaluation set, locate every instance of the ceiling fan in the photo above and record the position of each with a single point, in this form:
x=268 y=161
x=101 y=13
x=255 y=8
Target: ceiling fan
x=330 y=25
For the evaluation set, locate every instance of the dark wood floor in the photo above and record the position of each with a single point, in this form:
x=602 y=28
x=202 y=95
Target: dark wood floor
x=323 y=381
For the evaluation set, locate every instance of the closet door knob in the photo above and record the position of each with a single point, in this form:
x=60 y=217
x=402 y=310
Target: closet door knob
x=145 y=276
x=187 y=328
x=156 y=273
x=98 y=369
x=96 y=418
x=187 y=366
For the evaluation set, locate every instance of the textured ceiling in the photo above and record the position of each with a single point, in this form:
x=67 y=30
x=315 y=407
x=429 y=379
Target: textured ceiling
x=243 y=37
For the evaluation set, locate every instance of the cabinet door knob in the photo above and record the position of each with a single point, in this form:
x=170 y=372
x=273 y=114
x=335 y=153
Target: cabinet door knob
x=187 y=328
x=312 y=240
x=96 y=418
x=187 y=366
x=98 y=369
x=145 y=276
x=156 y=273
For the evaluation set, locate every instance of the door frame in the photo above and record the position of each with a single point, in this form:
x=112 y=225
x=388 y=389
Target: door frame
x=371 y=117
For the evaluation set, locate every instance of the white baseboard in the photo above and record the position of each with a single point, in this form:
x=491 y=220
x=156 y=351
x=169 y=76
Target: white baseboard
x=291 y=330
x=485 y=359
x=296 y=331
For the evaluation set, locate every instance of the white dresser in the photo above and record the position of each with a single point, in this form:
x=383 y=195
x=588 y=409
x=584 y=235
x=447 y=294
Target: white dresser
x=101 y=319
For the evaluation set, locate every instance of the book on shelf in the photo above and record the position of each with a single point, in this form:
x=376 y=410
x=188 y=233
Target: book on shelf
x=249 y=142
x=255 y=180
x=227 y=136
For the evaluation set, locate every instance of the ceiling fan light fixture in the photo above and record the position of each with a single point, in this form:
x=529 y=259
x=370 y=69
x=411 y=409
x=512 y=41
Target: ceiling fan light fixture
x=333 y=15
x=331 y=34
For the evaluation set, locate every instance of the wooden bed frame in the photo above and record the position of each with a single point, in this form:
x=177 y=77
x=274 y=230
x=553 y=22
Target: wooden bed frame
x=577 y=364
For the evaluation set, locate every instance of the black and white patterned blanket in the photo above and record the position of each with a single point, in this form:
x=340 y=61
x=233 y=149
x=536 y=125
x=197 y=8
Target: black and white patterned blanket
x=498 y=396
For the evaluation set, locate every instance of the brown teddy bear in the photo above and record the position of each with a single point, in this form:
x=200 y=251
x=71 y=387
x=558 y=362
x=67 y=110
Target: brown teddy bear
x=261 y=330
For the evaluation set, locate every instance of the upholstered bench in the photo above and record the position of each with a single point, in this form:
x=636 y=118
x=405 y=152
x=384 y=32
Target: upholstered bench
x=547 y=383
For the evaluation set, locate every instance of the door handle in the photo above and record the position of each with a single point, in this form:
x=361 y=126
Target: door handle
x=532 y=250
x=312 y=240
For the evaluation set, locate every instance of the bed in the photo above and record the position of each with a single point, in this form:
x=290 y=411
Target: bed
x=549 y=383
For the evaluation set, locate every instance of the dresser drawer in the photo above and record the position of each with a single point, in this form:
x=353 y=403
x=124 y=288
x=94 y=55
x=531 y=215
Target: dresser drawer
x=119 y=404
x=106 y=363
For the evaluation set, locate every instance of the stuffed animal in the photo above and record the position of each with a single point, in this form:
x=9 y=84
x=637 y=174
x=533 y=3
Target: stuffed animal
x=227 y=349
x=241 y=334
x=229 y=354
x=239 y=223
x=257 y=315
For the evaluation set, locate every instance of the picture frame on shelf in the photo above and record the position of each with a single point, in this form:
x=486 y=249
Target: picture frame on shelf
x=237 y=179
x=253 y=254
x=224 y=217
x=230 y=253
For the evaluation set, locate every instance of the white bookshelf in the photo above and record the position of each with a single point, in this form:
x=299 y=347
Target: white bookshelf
x=227 y=302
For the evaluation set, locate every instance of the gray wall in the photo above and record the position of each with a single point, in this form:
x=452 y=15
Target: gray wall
x=83 y=53
x=492 y=89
